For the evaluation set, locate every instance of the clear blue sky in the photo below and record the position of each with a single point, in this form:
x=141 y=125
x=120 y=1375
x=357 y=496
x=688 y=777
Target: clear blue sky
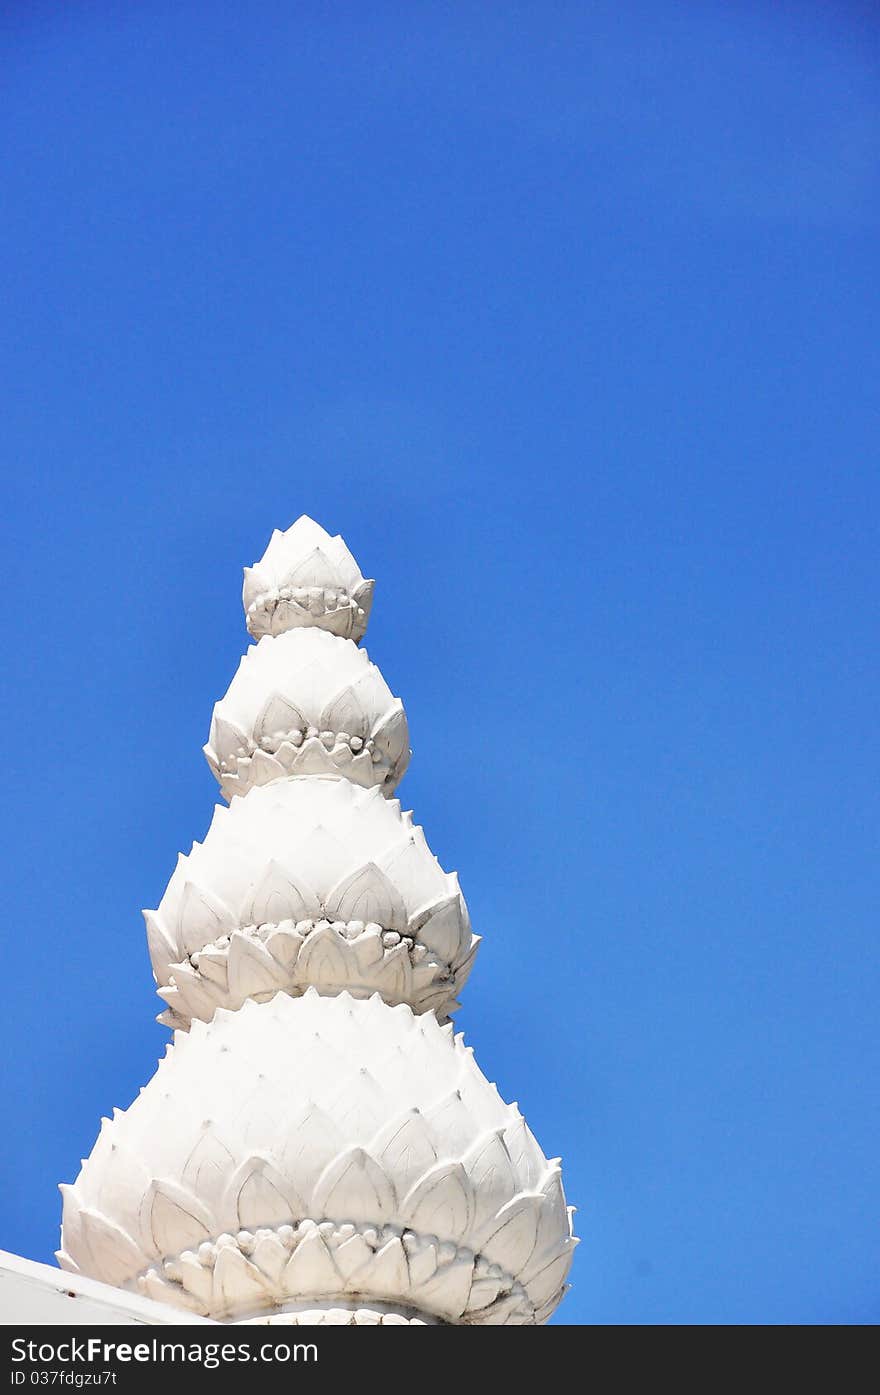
x=566 y=316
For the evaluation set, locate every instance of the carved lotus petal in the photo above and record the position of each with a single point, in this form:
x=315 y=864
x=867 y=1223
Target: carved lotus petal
x=256 y=582
x=363 y=594
x=173 y=1218
x=451 y=1123
x=509 y=1308
x=391 y=735
x=546 y=1283
x=483 y=1292
x=252 y=970
x=278 y=895
x=358 y=1102
x=152 y=1285
x=525 y=1154
x=226 y=738
x=441 y=1203
x=214 y=966
x=189 y=995
x=463 y=966
x=207 y=1170
x=313 y=1140
x=553 y=1219
x=270 y=1256
x=368 y=895
x=394 y=976
x=440 y=927
x=238 y=1283
x=259 y=1195
x=491 y=1175
x=352 y=1259
x=311 y=1270
x=284 y=945
x=448 y=1291
x=322 y=960
x=314 y=570
x=389 y=1271
x=278 y=714
x=367 y=951
x=73 y=1255
x=345 y=713
x=109 y=1248
x=354 y=1184
x=203 y=917
x=265 y=768
x=162 y=949
x=196 y=1279
x=512 y=1241
x=422 y=1262
x=405 y=1148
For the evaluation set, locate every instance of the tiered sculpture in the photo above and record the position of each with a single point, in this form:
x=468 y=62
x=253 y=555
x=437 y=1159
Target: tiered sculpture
x=316 y=1145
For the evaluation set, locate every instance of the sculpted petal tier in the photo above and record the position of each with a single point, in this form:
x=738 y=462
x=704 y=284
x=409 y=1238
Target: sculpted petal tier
x=304 y=578
x=323 y=1154
x=309 y=882
x=307 y=703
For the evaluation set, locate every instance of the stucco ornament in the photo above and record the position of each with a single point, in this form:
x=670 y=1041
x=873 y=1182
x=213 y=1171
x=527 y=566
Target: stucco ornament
x=306 y=577
x=326 y=1148
x=307 y=703
x=317 y=1147
x=309 y=882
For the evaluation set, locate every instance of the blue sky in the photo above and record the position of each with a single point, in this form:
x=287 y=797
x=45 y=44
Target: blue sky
x=566 y=316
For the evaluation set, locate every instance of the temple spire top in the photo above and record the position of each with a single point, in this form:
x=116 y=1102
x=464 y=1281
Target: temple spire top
x=306 y=578
x=317 y=1146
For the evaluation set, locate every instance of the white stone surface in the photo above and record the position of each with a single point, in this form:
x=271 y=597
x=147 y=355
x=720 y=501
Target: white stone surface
x=323 y=1148
x=38 y=1295
x=306 y=577
x=310 y=881
x=307 y=703
x=319 y=1149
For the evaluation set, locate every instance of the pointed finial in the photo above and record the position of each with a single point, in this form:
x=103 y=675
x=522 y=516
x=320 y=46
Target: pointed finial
x=306 y=577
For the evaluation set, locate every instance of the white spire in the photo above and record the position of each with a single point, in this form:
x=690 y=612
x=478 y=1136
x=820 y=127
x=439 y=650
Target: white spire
x=312 y=1151
x=306 y=577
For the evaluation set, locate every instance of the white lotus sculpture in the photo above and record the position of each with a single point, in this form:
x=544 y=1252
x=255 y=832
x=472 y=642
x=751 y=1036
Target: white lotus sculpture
x=306 y=577
x=310 y=882
x=328 y=1149
x=316 y=1146
x=305 y=703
